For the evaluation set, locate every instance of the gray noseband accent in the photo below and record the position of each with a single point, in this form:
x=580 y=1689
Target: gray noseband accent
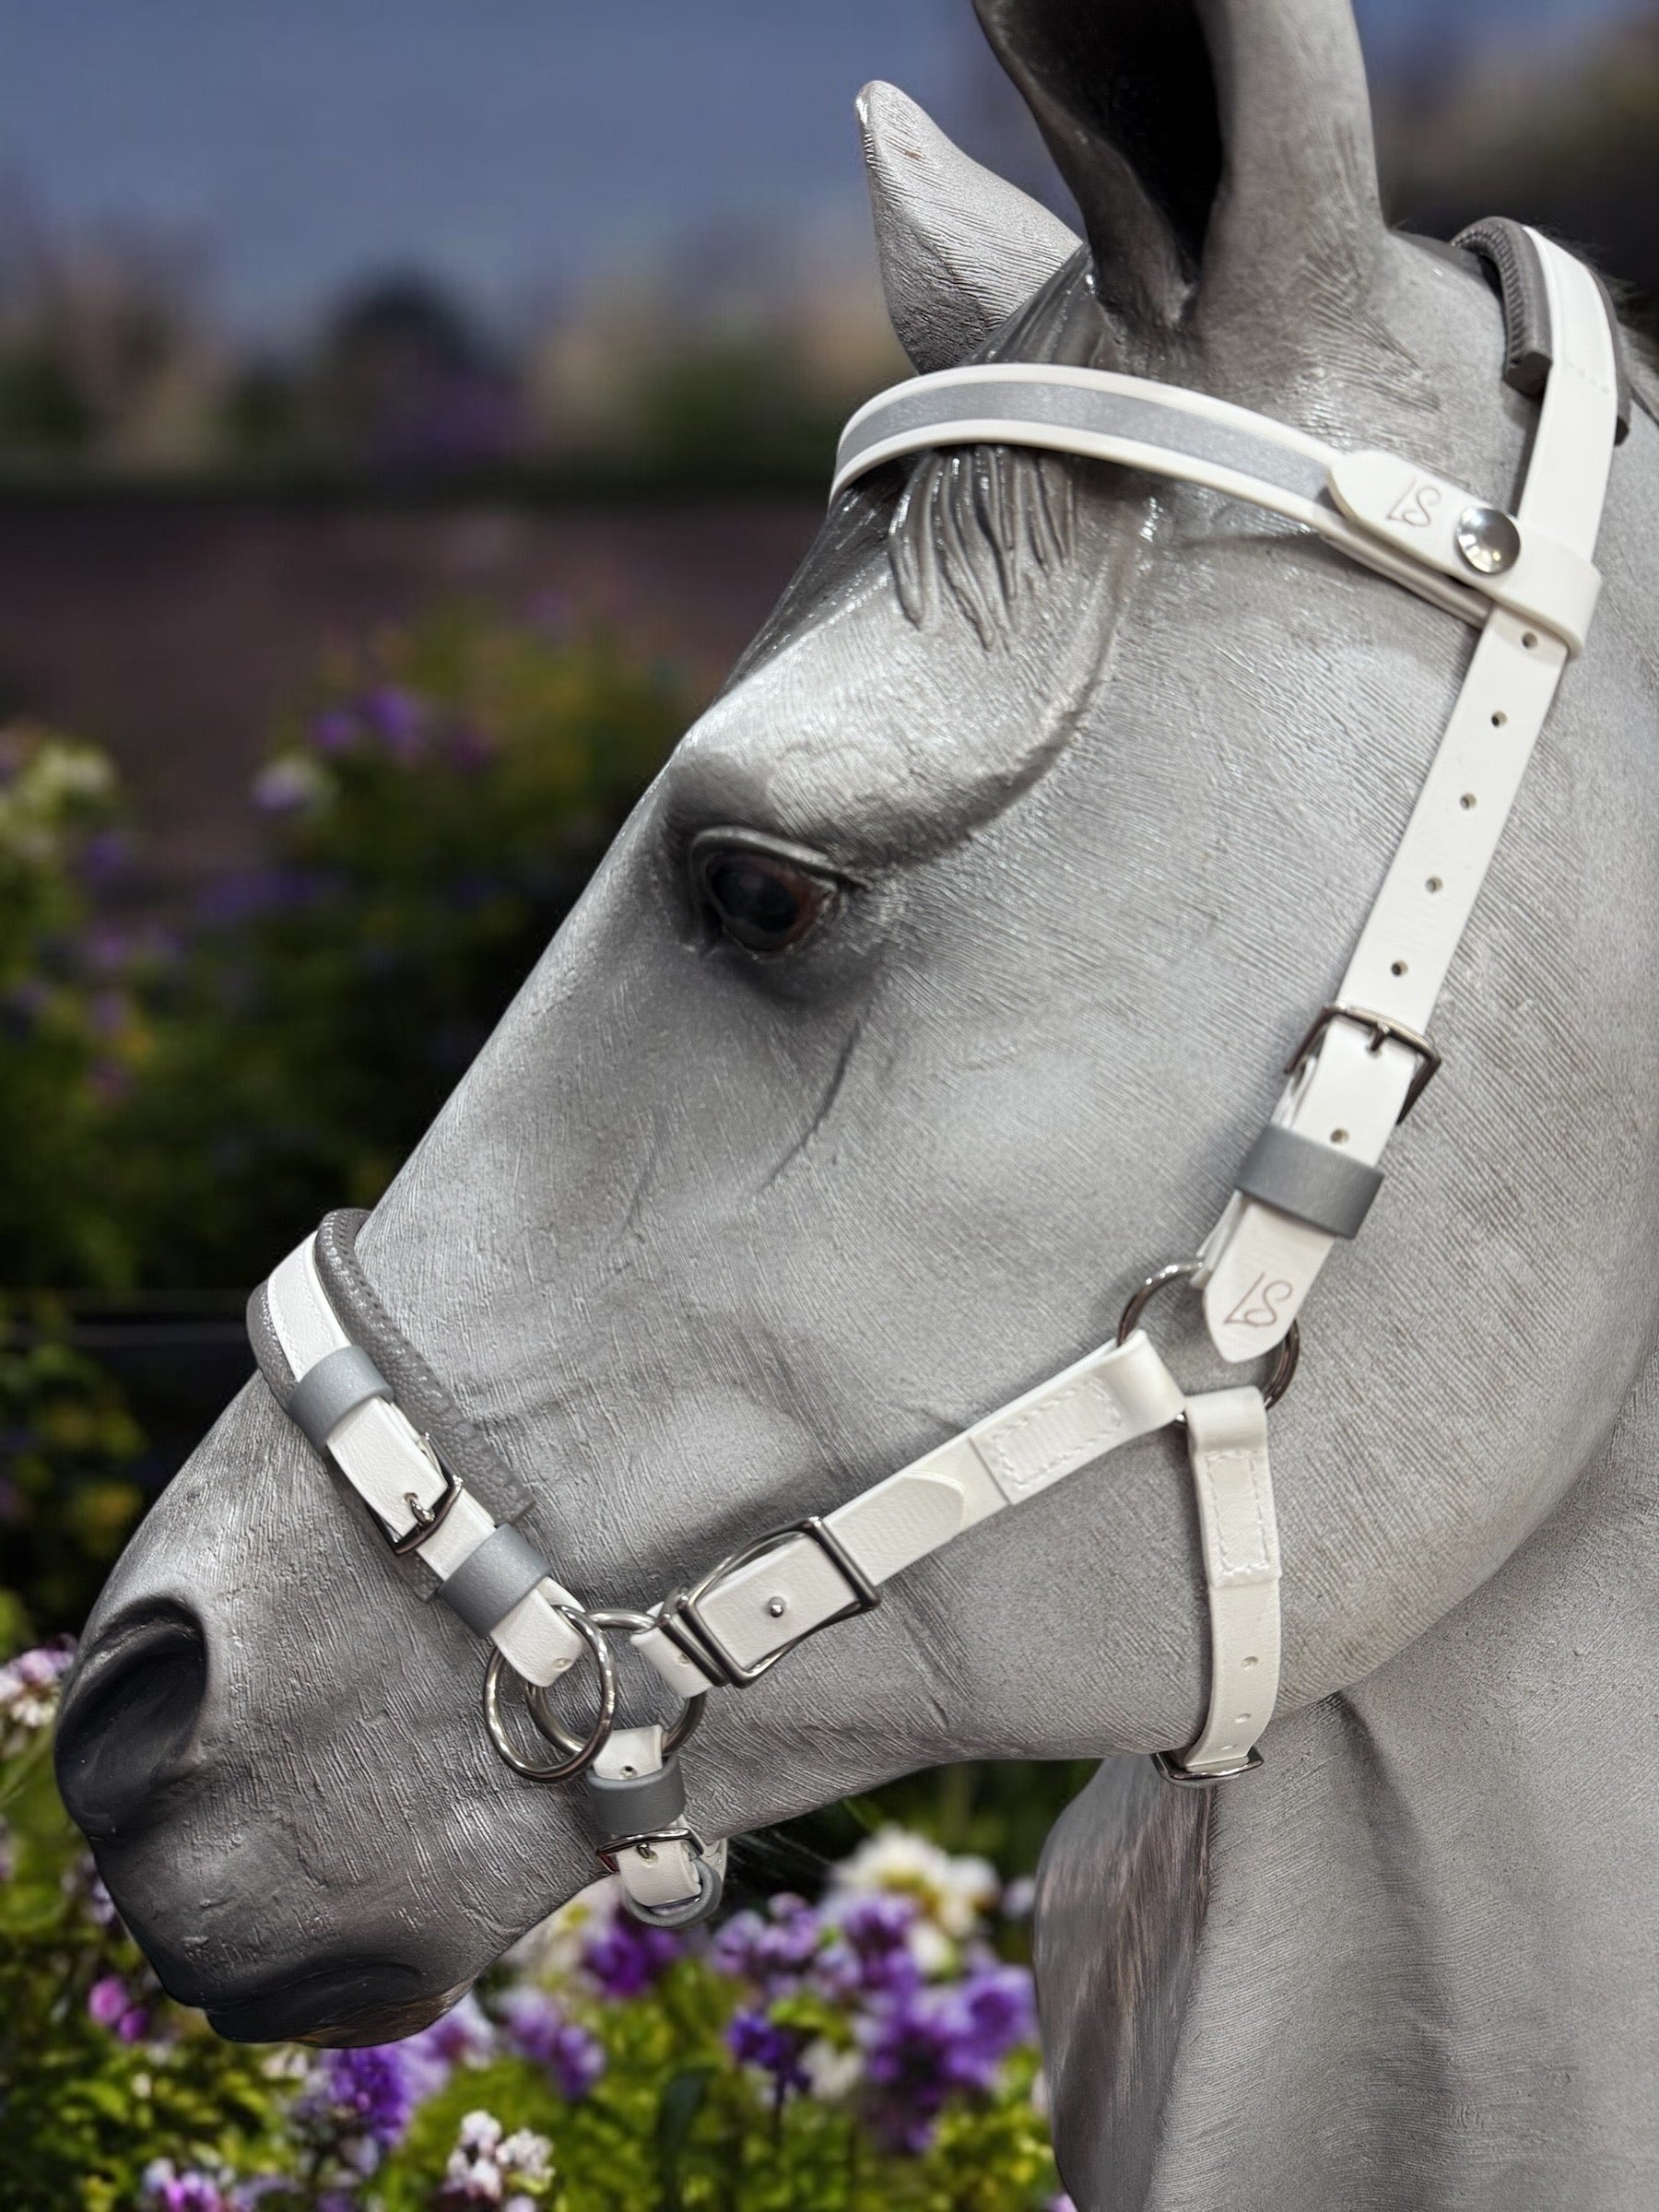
x=491 y=1580
x=637 y=1805
x=337 y=1385
x=1309 y=1181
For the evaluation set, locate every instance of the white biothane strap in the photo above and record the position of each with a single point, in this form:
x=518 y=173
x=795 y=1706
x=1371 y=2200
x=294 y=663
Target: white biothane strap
x=752 y=1611
x=1347 y=1096
x=1227 y=1443
x=1528 y=581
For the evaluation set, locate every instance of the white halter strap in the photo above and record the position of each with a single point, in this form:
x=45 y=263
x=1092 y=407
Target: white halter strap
x=1528 y=581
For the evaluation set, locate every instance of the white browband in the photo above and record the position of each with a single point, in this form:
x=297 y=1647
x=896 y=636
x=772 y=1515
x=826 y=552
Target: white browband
x=1528 y=581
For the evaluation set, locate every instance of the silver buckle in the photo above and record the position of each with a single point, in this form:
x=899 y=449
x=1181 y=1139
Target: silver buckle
x=681 y=1620
x=428 y=1519
x=1384 y=1030
x=1170 y=1767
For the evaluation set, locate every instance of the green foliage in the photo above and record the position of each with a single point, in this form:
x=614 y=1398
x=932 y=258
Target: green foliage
x=67 y=1446
x=625 y=2087
x=69 y=1031
x=434 y=818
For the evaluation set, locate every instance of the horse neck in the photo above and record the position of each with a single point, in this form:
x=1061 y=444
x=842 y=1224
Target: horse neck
x=1415 y=1963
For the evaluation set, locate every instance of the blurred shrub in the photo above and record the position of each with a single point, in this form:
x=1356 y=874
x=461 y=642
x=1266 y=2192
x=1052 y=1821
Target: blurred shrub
x=432 y=820
x=874 y=2052
x=70 y=1031
x=68 y=1443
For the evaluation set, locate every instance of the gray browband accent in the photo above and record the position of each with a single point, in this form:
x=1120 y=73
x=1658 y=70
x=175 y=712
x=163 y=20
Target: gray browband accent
x=1529 y=343
x=1309 y=1181
x=326 y=1394
x=461 y=1445
x=636 y=1805
x=1080 y=408
x=491 y=1580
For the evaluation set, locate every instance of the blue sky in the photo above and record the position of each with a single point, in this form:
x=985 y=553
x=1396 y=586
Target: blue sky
x=513 y=146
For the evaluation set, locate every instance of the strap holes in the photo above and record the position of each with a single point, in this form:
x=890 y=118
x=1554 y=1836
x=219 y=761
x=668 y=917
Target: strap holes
x=1251 y=1660
x=1434 y=884
x=1338 y=1137
x=1397 y=968
x=1467 y=801
x=1529 y=637
x=1498 y=718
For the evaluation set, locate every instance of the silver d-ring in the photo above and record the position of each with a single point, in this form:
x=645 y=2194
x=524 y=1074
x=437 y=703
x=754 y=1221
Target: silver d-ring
x=1183 y=1271
x=540 y=1704
x=581 y=1752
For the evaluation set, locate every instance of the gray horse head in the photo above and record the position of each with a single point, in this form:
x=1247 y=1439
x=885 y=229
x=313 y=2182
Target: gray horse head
x=928 y=1000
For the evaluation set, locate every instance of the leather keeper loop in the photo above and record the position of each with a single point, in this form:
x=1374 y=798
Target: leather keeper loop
x=1311 y=1182
x=637 y=1805
x=489 y=1582
x=336 y=1385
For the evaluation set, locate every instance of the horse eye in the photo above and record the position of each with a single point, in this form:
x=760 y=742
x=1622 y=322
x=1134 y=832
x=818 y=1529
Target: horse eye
x=763 y=901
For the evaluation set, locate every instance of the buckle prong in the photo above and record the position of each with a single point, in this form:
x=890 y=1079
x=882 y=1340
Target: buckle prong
x=1384 y=1029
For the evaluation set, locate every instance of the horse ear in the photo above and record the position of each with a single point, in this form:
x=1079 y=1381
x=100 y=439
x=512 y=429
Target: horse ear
x=1220 y=150
x=960 y=248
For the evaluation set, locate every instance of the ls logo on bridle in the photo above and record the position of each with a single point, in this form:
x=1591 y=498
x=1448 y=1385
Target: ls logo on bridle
x=1268 y=1299
x=1416 y=505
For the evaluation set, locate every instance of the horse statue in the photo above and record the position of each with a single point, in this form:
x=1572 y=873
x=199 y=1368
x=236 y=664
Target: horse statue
x=924 y=1008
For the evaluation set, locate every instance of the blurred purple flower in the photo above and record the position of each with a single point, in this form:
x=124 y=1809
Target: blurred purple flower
x=109 y=1012
x=463 y=2036
x=536 y=2026
x=102 y=858
x=624 y=1957
x=921 y=2048
x=335 y=730
x=470 y=749
x=397 y=717
x=111 y=2004
x=775 y=1951
x=756 y=2040
x=364 y=2097
x=873 y=1927
x=191 y=2191
x=109 y=1081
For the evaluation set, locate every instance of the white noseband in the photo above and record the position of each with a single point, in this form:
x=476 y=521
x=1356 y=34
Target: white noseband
x=1528 y=581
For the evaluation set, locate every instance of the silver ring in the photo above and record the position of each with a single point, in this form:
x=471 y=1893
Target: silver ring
x=582 y=1751
x=539 y=1703
x=1183 y=1271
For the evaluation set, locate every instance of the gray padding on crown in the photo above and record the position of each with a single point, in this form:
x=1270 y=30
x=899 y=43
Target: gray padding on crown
x=1529 y=343
x=462 y=1446
x=1078 y=407
x=336 y=1385
x=491 y=1580
x=1309 y=1181
x=635 y=1805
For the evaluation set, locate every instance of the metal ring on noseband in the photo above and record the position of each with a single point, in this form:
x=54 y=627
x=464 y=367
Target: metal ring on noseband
x=581 y=1752
x=540 y=1706
x=1183 y=1271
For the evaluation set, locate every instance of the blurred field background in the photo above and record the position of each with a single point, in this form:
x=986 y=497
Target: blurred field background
x=405 y=414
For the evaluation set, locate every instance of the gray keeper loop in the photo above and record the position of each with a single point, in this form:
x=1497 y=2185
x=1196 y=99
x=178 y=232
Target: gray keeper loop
x=637 y=1805
x=491 y=1580
x=1311 y=1182
x=336 y=1385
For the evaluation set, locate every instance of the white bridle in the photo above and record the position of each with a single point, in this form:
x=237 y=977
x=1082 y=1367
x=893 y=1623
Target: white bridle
x=1528 y=582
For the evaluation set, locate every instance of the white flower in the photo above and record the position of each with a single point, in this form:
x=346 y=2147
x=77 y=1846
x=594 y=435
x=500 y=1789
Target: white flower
x=480 y=2131
x=292 y=784
x=29 y=1694
x=829 y=2072
x=953 y=1894
x=526 y=2157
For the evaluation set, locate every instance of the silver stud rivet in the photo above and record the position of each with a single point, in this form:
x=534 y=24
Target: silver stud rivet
x=777 y=1607
x=1487 y=541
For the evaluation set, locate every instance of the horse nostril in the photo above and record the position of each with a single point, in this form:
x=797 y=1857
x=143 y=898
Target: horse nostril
x=128 y=1718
